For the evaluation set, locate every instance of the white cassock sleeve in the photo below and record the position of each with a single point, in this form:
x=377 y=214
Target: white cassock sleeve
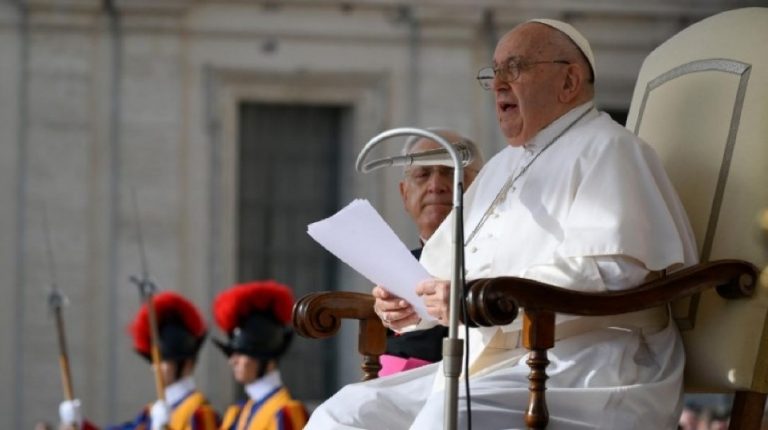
x=602 y=273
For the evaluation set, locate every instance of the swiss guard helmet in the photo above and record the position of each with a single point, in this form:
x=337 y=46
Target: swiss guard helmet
x=180 y=326
x=256 y=317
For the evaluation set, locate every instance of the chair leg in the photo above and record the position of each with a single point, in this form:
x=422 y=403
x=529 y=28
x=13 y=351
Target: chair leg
x=538 y=336
x=747 y=411
x=371 y=343
x=371 y=366
x=537 y=414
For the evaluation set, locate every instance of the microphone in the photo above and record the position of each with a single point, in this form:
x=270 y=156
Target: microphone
x=432 y=157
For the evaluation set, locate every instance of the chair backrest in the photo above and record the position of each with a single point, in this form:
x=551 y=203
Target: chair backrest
x=701 y=100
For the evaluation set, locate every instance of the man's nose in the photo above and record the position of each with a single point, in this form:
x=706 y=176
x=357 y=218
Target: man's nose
x=499 y=82
x=439 y=182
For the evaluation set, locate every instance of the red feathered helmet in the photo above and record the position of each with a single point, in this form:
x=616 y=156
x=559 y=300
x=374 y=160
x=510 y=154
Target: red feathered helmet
x=256 y=316
x=180 y=326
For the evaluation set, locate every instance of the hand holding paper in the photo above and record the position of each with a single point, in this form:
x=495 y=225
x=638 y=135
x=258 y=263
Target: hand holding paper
x=358 y=236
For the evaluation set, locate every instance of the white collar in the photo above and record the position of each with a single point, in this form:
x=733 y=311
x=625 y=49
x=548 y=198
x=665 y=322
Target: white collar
x=259 y=388
x=179 y=389
x=555 y=128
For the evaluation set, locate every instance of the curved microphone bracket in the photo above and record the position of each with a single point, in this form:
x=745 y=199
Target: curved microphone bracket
x=452 y=345
x=458 y=172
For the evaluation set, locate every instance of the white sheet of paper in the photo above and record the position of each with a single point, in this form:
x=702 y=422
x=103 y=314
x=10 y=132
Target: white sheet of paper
x=358 y=236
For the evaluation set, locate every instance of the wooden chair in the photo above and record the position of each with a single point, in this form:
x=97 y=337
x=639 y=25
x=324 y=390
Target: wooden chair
x=701 y=101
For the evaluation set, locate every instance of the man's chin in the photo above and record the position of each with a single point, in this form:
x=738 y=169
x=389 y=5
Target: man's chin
x=515 y=140
x=240 y=379
x=435 y=214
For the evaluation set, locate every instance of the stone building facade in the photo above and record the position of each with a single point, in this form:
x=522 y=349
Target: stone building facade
x=107 y=100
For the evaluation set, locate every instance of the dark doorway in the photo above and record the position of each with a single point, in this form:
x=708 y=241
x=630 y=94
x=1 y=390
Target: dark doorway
x=289 y=177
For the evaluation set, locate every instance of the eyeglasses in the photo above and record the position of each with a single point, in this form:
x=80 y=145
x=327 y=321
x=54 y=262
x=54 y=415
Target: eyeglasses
x=509 y=72
x=421 y=174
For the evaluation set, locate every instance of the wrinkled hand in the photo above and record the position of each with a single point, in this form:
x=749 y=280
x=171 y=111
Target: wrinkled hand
x=395 y=313
x=160 y=414
x=69 y=413
x=436 y=294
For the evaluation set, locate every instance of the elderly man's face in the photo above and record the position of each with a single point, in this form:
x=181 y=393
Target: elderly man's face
x=427 y=191
x=530 y=102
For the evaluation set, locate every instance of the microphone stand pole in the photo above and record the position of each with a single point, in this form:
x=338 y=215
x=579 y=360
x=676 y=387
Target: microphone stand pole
x=452 y=345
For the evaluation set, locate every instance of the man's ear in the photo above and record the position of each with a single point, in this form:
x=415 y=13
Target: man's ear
x=572 y=84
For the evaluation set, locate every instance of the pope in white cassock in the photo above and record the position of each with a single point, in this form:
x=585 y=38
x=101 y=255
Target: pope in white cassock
x=574 y=200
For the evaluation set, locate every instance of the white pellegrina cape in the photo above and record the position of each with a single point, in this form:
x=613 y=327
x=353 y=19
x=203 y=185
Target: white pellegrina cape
x=593 y=211
x=595 y=207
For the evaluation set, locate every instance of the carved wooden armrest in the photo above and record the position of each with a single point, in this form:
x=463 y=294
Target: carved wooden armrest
x=319 y=315
x=497 y=301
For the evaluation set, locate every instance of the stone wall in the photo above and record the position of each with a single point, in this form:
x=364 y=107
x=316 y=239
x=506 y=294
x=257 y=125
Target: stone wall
x=101 y=101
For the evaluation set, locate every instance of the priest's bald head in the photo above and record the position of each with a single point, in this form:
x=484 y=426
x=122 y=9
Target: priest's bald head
x=541 y=70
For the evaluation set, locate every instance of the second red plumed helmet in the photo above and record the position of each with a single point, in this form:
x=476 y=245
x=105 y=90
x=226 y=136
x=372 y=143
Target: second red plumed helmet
x=256 y=316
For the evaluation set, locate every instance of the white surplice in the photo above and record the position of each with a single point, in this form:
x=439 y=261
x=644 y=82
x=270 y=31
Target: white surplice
x=595 y=211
